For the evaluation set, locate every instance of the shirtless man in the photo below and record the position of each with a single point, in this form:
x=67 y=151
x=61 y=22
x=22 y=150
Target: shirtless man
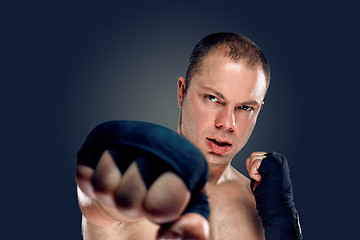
x=220 y=99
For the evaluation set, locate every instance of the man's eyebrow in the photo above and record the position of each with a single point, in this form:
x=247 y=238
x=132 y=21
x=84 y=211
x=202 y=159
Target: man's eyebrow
x=214 y=91
x=251 y=102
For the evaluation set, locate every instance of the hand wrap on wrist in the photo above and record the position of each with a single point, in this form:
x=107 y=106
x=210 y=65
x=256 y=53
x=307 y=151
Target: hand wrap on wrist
x=156 y=150
x=274 y=199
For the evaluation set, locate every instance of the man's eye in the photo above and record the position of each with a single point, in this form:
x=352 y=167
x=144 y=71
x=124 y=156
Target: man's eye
x=246 y=108
x=212 y=98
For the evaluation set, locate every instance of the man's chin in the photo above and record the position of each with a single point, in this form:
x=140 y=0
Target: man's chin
x=217 y=159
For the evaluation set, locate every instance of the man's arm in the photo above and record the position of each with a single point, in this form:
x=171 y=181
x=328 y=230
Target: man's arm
x=271 y=185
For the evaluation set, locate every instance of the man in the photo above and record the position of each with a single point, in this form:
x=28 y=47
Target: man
x=220 y=99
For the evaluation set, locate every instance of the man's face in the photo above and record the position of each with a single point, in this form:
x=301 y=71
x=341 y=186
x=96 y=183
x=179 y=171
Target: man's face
x=220 y=108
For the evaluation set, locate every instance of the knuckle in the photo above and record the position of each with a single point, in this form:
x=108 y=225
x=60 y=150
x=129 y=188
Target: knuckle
x=107 y=175
x=257 y=163
x=254 y=168
x=126 y=198
x=130 y=192
x=84 y=172
x=166 y=198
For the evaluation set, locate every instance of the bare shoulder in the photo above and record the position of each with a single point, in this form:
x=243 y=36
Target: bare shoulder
x=238 y=188
x=233 y=209
x=242 y=184
x=238 y=178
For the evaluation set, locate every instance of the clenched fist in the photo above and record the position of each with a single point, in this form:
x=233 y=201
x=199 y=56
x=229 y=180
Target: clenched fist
x=136 y=169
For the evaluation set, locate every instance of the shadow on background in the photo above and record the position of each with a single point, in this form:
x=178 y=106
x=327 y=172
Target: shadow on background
x=69 y=66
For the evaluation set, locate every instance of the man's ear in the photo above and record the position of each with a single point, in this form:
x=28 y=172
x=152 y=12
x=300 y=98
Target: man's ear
x=181 y=91
x=262 y=105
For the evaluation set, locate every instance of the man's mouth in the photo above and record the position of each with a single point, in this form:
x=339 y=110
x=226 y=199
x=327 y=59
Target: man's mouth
x=219 y=143
x=218 y=146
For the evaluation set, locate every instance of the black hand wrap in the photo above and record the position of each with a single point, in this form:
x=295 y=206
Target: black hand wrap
x=274 y=199
x=156 y=150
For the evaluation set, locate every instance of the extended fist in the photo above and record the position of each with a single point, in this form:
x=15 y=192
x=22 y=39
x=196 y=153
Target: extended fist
x=136 y=169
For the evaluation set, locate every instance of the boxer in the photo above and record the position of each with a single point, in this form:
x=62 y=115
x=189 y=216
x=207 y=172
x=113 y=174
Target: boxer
x=141 y=181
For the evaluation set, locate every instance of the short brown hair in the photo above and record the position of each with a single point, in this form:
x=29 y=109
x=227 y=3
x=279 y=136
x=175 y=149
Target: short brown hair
x=236 y=46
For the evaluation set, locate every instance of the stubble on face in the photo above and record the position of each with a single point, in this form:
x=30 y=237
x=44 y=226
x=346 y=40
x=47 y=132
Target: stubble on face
x=198 y=133
x=233 y=84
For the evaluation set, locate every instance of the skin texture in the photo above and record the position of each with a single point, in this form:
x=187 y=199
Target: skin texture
x=222 y=103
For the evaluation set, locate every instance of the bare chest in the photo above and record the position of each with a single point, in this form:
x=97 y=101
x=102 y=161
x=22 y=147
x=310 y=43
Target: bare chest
x=233 y=215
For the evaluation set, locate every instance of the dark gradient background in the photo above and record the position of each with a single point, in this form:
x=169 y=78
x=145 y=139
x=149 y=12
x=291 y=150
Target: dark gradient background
x=69 y=65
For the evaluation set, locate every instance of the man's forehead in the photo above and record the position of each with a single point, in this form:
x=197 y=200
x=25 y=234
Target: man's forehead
x=226 y=76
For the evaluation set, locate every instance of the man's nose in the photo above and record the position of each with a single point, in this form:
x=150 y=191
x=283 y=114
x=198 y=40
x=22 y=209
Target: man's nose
x=226 y=119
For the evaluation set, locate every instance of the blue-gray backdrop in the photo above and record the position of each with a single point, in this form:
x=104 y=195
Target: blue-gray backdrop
x=69 y=65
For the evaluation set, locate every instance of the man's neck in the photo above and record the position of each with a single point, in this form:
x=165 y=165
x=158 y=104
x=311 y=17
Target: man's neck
x=219 y=173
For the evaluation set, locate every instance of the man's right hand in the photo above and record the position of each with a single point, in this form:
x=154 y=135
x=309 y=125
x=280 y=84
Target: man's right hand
x=125 y=193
